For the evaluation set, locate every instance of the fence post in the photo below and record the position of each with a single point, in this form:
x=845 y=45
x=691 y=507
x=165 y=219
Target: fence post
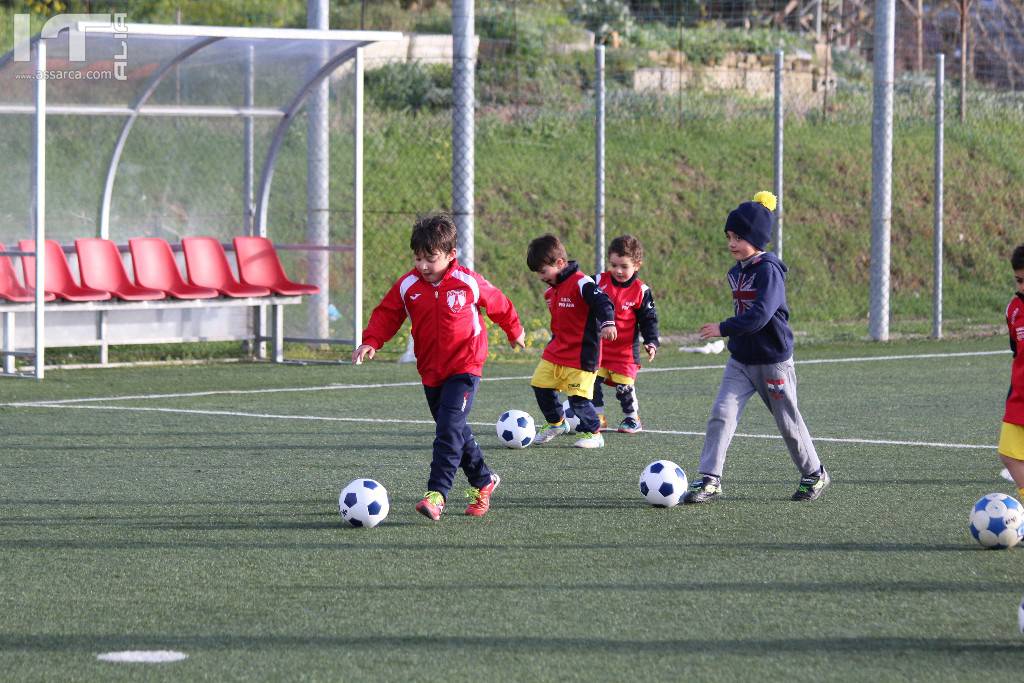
x=940 y=118
x=881 y=168
x=779 y=122
x=599 y=160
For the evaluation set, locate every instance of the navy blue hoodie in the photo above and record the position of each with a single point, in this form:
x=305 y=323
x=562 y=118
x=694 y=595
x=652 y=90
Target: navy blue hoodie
x=759 y=332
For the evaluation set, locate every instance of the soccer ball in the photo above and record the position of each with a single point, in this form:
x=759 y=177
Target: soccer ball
x=997 y=521
x=663 y=483
x=516 y=429
x=1020 y=616
x=363 y=503
x=571 y=418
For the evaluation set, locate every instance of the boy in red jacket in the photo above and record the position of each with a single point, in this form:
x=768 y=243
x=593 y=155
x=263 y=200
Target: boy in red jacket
x=635 y=317
x=442 y=299
x=581 y=316
x=1011 y=436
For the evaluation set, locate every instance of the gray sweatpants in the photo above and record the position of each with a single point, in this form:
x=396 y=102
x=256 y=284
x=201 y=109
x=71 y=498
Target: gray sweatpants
x=776 y=385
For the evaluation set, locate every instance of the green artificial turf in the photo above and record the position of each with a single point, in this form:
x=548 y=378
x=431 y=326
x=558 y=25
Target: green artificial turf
x=215 y=531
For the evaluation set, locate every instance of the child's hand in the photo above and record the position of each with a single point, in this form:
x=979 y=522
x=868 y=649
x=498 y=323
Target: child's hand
x=519 y=342
x=362 y=352
x=609 y=333
x=651 y=350
x=709 y=330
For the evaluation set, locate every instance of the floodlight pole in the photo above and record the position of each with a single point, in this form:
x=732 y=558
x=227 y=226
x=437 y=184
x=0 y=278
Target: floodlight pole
x=318 y=199
x=881 y=168
x=39 y=213
x=463 y=133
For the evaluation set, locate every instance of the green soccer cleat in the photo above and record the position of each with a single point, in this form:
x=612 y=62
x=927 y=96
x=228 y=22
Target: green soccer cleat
x=588 y=440
x=630 y=425
x=704 y=490
x=552 y=431
x=811 y=487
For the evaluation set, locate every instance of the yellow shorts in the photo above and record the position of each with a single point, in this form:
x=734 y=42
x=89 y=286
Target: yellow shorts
x=572 y=381
x=615 y=377
x=1011 y=441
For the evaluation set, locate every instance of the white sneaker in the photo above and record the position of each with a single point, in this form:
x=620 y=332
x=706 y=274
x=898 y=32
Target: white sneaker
x=551 y=432
x=590 y=440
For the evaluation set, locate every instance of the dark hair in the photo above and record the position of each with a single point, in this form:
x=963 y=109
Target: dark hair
x=629 y=247
x=436 y=232
x=1017 y=259
x=544 y=251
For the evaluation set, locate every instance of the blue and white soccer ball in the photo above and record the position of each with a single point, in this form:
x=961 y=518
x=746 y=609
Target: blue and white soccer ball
x=663 y=483
x=516 y=429
x=571 y=418
x=1020 y=616
x=363 y=503
x=997 y=521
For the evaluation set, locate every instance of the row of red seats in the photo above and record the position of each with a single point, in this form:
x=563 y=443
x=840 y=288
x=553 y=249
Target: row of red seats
x=103 y=274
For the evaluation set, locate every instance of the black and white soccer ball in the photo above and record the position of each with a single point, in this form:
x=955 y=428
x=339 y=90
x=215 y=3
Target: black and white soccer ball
x=663 y=483
x=515 y=429
x=997 y=521
x=363 y=503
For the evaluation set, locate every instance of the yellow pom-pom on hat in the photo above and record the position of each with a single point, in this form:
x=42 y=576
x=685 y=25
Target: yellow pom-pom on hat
x=767 y=199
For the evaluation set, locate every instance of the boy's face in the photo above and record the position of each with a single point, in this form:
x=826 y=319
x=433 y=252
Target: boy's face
x=433 y=265
x=1018 y=276
x=622 y=267
x=548 y=274
x=740 y=249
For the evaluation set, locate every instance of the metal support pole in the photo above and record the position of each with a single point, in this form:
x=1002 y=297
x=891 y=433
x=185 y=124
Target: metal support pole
x=940 y=122
x=9 y=344
x=817 y=21
x=463 y=131
x=39 y=211
x=318 y=181
x=881 y=168
x=599 y=160
x=258 y=314
x=779 y=124
x=357 y=161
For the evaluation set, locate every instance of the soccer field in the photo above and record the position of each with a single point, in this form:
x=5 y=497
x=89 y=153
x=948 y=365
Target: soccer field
x=195 y=509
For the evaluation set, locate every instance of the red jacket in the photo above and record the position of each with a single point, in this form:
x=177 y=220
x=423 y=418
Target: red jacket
x=635 y=315
x=449 y=334
x=1015 y=398
x=579 y=310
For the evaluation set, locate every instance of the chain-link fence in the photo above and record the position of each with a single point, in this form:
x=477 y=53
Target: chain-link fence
x=689 y=133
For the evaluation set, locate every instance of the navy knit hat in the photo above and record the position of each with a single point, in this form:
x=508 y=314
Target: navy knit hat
x=752 y=220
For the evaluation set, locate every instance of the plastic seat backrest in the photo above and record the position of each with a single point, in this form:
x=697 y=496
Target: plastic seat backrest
x=10 y=287
x=100 y=265
x=207 y=264
x=58 y=271
x=258 y=263
x=154 y=264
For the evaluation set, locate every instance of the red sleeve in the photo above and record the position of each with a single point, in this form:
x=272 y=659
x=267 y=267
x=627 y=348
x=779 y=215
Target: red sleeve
x=499 y=308
x=386 y=319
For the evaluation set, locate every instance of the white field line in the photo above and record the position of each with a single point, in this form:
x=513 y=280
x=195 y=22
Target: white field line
x=341 y=387
x=320 y=418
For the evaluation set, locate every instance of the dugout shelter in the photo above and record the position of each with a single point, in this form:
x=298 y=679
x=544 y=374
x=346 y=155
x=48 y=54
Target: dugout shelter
x=123 y=131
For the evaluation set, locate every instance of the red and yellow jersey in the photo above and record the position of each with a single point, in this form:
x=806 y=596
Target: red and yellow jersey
x=1015 y=325
x=579 y=310
x=635 y=318
x=449 y=334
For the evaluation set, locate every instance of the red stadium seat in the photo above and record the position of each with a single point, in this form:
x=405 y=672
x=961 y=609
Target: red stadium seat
x=259 y=265
x=10 y=288
x=208 y=266
x=59 y=279
x=156 y=268
x=100 y=264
